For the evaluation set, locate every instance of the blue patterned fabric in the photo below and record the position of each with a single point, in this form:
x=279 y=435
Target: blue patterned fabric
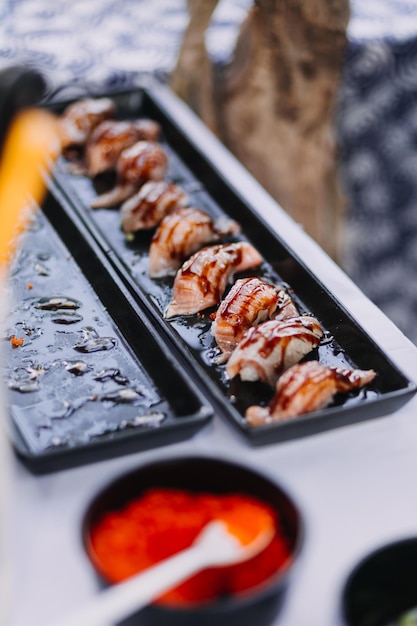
x=377 y=126
x=110 y=45
x=102 y=43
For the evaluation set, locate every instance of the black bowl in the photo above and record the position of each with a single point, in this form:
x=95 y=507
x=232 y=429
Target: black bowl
x=206 y=474
x=383 y=586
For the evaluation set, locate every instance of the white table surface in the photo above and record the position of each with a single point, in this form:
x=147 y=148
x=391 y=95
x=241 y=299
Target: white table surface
x=356 y=485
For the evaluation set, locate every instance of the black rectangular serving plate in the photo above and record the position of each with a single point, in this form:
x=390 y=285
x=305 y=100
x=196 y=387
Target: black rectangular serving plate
x=205 y=179
x=63 y=414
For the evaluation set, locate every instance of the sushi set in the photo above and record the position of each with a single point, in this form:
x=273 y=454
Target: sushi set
x=153 y=296
x=180 y=296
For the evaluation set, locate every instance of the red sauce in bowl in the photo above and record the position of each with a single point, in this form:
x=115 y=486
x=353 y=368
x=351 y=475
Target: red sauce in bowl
x=162 y=522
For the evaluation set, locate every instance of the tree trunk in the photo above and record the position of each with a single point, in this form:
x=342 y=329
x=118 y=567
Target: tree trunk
x=191 y=79
x=274 y=107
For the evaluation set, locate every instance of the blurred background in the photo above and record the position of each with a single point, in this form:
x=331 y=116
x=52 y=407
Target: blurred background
x=370 y=136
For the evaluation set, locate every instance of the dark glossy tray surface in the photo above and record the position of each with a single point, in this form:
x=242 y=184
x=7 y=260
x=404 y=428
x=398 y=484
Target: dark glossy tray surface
x=90 y=379
x=345 y=343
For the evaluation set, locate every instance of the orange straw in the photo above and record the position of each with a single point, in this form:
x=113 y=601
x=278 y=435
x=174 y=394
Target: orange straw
x=31 y=146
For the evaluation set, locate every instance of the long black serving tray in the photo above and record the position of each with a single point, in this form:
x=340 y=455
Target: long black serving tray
x=88 y=376
x=205 y=179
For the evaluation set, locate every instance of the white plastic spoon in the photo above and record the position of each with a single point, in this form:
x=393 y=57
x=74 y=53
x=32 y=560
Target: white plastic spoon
x=215 y=545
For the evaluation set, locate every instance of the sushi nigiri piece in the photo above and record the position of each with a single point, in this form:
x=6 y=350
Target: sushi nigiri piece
x=250 y=301
x=270 y=348
x=111 y=137
x=202 y=279
x=181 y=233
x=80 y=118
x=146 y=208
x=307 y=387
x=143 y=161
